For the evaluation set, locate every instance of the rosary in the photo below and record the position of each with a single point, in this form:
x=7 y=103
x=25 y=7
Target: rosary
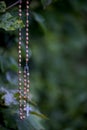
x=23 y=81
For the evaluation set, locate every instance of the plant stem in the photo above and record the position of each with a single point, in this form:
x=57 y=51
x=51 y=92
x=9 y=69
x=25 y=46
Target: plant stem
x=13 y=4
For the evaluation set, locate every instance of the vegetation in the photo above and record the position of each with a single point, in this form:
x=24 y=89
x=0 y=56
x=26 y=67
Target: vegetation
x=58 y=65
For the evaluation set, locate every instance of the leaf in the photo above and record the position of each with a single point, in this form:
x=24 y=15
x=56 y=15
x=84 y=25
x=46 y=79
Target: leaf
x=40 y=19
x=38 y=114
x=10 y=23
x=30 y=123
x=2 y=7
x=16 y=95
x=46 y=2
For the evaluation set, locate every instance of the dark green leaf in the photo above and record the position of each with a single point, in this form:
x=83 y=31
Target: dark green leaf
x=2 y=7
x=10 y=23
x=46 y=2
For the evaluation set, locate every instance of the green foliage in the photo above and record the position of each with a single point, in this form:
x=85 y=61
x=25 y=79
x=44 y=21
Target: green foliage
x=46 y=2
x=58 y=66
x=2 y=7
x=7 y=21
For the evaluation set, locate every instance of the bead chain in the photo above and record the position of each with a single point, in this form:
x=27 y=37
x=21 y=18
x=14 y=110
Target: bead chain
x=23 y=96
x=19 y=61
x=26 y=69
x=27 y=42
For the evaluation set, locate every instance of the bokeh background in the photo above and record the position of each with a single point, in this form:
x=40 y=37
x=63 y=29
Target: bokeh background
x=58 y=61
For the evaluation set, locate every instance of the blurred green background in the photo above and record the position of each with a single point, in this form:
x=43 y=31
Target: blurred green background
x=58 y=61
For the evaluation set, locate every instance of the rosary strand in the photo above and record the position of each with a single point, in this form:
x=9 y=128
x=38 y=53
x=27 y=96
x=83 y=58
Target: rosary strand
x=19 y=63
x=24 y=93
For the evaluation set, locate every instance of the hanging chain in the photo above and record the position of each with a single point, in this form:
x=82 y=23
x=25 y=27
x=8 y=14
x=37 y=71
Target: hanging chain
x=19 y=65
x=24 y=93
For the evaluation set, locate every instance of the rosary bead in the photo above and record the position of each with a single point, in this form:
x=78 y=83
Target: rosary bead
x=20 y=38
x=27 y=29
x=20 y=84
x=21 y=117
x=27 y=14
x=27 y=34
x=28 y=74
x=19 y=72
x=20 y=10
x=27 y=90
x=27 y=55
x=20 y=14
x=19 y=51
x=28 y=86
x=27 y=2
x=27 y=21
x=19 y=56
x=19 y=61
x=27 y=42
x=19 y=41
x=19 y=6
x=27 y=51
x=27 y=59
x=27 y=6
x=28 y=81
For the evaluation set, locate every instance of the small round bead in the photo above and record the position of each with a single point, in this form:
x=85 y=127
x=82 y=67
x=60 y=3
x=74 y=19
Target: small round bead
x=27 y=29
x=20 y=102
x=19 y=51
x=27 y=55
x=27 y=38
x=19 y=41
x=24 y=97
x=19 y=56
x=19 y=47
x=25 y=80
x=20 y=14
x=25 y=84
x=27 y=34
x=19 y=65
x=21 y=117
x=27 y=2
x=27 y=42
x=20 y=113
x=28 y=81
x=26 y=46
x=20 y=84
x=19 y=34
x=28 y=86
x=24 y=101
x=27 y=25
x=19 y=79
x=24 y=75
x=19 y=6
x=20 y=38
x=27 y=6
x=28 y=74
x=20 y=96
x=24 y=92
x=27 y=59
x=20 y=10
x=19 y=71
x=20 y=105
x=19 y=61
x=27 y=21
x=27 y=51
x=27 y=90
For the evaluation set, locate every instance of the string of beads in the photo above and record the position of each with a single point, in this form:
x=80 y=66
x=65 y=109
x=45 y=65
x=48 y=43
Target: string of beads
x=23 y=92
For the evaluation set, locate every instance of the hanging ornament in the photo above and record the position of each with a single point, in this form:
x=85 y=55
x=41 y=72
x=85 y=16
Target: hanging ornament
x=24 y=82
